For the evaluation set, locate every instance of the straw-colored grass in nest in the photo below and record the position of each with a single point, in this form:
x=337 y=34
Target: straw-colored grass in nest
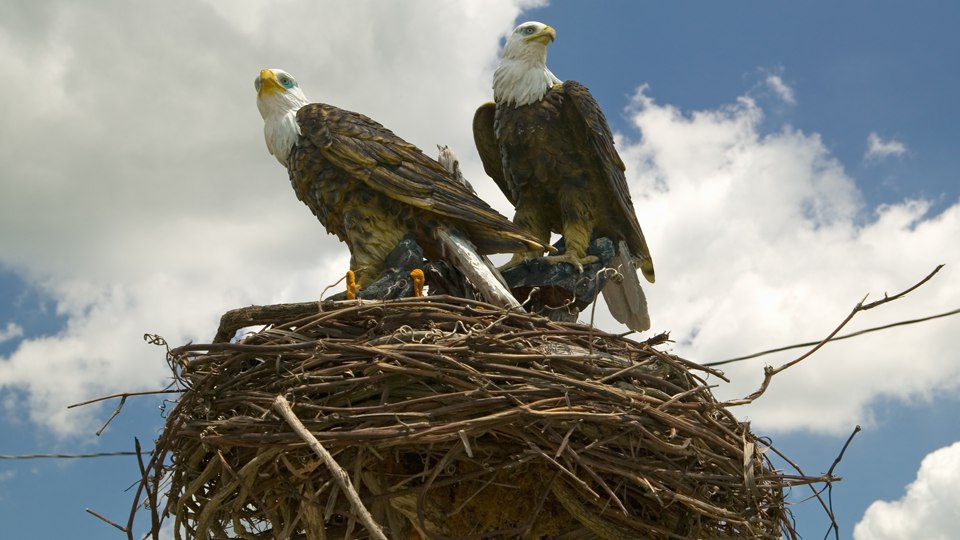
x=457 y=419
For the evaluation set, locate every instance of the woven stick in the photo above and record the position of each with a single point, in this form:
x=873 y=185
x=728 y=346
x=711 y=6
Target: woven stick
x=343 y=479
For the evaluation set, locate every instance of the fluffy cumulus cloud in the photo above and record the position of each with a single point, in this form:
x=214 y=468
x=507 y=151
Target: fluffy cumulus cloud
x=137 y=189
x=929 y=509
x=878 y=148
x=780 y=88
x=762 y=240
x=11 y=331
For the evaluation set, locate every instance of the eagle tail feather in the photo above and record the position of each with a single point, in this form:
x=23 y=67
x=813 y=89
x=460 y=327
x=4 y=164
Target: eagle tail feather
x=625 y=297
x=500 y=241
x=646 y=266
x=477 y=268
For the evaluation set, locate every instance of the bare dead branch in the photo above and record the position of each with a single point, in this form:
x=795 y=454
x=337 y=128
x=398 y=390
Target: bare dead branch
x=94 y=514
x=124 y=395
x=833 y=524
x=282 y=406
x=769 y=372
x=837 y=338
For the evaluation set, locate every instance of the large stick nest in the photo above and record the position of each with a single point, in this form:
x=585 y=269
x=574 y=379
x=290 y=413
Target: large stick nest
x=456 y=419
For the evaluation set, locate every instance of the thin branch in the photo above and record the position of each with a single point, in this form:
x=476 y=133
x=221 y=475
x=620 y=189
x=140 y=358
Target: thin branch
x=151 y=493
x=886 y=298
x=769 y=372
x=122 y=529
x=833 y=525
x=813 y=489
x=124 y=395
x=112 y=416
x=136 y=498
x=843 y=450
x=838 y=338
x=282 y=406
x=67 y=456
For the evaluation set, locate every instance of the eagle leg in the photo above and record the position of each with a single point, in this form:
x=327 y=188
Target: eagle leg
x=370 y=239
x=576 y=238
x=366 y=273
x=418 y=279
x=352 y=287
x=534 y=222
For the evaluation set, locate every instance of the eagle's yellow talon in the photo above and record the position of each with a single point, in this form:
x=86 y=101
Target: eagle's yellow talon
x=418 y=280
x=352 y=287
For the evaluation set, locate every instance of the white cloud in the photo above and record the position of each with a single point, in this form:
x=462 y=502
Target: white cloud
x=13 y=330
x=762 y=240
x=930 y=508
x=784 y=92
x=878 y=148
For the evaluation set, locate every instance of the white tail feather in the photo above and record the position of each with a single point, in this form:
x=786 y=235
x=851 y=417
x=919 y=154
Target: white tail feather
x=477 y=268
x=625 y=297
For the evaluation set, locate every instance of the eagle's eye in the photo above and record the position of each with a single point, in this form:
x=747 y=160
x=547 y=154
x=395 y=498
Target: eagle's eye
x=286 y=81
x=256 y=84
x=528 y=30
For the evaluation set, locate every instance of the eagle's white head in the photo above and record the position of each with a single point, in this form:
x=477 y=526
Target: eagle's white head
x=279 y=98
x=522 y=76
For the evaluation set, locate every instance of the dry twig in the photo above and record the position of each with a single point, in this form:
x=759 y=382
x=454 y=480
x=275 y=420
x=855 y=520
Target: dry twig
x=769 y=372
x=342 y=478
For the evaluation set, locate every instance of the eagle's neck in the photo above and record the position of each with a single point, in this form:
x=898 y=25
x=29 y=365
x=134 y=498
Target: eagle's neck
x=522 y=80
x=281 y=132
x=280 y=127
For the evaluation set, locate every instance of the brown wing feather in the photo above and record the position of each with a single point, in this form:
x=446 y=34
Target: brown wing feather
x=582 y=108
x=388 y=164
x=485 y=137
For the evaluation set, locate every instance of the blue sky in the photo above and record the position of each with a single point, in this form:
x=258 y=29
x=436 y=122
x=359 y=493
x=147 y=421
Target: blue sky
x=855 y=67
x=735 y=121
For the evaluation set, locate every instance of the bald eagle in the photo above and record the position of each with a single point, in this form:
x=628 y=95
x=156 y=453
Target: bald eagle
x=547 y=145
x=371 y=188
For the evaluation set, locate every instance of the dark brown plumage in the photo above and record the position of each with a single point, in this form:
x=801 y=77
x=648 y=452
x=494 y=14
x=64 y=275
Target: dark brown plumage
x=548 y=146
x=554 y=160
x=370 y=187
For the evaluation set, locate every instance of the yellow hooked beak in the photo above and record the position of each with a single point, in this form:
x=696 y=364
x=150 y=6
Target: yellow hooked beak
x=544 y=36
x=269 y=83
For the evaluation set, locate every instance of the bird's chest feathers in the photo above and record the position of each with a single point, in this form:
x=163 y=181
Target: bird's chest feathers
x=514 y=125
x=532 y=140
